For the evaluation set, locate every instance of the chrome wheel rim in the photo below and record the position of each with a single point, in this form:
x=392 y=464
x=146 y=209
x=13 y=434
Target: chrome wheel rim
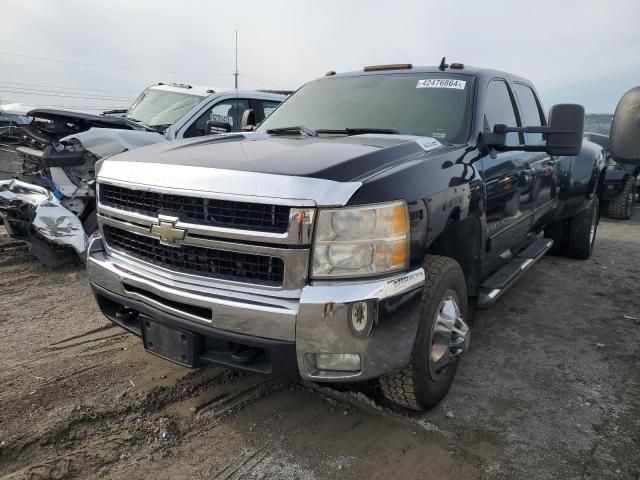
x=449 y=336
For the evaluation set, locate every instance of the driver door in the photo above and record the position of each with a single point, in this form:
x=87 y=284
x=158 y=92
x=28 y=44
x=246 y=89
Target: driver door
x=507 y=177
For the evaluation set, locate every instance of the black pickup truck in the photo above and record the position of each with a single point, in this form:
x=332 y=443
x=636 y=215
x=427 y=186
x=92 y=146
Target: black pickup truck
x=352 y=235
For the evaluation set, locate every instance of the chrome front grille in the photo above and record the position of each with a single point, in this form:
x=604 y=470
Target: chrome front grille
x=208 y=239
x=198 y=260
x=196 y=210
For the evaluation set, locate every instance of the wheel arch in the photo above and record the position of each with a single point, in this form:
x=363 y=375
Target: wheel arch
x=461 y=240
x=582 y=178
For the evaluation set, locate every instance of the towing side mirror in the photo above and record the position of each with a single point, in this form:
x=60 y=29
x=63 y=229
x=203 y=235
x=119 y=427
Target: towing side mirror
x=565 y=131
x=216 y=127
x=625 y=129
x=563 y=135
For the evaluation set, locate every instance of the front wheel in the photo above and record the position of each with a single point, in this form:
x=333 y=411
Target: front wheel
x=442 y=337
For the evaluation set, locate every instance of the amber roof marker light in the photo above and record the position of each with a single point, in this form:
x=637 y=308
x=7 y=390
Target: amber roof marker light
x=392 y=66
x=454 y=66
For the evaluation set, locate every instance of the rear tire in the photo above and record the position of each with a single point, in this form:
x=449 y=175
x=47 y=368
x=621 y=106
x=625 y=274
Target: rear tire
x=440 y=341
x=582 y=231
x=621 y=207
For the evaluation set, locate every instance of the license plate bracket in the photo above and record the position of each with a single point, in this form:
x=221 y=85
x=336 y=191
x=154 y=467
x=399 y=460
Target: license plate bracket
x=167 y=342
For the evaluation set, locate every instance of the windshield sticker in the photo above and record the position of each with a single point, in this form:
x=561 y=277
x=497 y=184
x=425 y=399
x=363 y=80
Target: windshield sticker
x=440 y=133
x=441 y=83
x=426 y=143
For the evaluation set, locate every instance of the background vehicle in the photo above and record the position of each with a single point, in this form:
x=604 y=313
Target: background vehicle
x=621 y=180
x=351 y=235
x=58 y=150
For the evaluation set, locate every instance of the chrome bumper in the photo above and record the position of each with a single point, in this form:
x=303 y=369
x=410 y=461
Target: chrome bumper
x=318 y=321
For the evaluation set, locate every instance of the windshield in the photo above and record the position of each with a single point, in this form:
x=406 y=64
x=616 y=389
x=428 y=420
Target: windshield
x=425 y=104
x=159 y=108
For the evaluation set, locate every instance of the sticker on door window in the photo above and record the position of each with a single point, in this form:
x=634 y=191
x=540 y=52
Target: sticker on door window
x=441 y=83
x=222 y=118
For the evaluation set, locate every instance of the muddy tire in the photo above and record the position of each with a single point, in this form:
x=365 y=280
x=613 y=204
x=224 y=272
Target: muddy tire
x=621 y=207
x=440 y=341
x=582 y=231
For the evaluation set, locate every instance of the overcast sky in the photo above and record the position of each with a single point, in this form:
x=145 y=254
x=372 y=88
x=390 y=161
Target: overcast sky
x=574 y=51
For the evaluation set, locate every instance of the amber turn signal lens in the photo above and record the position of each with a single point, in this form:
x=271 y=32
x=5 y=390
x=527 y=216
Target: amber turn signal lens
x=398 y=254
x=399 y=220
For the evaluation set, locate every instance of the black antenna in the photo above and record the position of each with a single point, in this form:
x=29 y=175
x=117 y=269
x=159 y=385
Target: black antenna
x=443 y=64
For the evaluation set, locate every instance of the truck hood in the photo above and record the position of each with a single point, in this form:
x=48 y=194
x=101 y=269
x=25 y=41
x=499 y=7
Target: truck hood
x=336 y=158
x=106 y=142
x=86 y=120
x=323 y=171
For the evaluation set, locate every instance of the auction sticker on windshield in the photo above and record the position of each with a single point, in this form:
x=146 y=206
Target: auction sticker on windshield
x=441 y=83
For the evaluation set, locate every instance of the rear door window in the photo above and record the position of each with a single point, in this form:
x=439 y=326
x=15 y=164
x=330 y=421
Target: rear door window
x=530 y=111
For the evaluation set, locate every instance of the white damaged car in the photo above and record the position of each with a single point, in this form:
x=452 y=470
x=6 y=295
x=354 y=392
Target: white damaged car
x=49 y=200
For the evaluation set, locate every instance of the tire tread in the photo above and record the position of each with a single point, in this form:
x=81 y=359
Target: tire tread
x=579 y=232
x=621 y=207
x=399 y=386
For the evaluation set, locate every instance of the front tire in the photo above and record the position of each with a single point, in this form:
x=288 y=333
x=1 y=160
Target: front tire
x=442 y=337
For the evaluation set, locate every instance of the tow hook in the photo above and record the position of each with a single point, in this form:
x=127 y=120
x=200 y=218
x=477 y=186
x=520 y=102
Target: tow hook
x=127 y=314
x=241 y=354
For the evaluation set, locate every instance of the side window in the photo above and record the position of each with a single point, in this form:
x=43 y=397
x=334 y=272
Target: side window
x=263 y=108
x=227 y=110
x=500 y=109
x=269 y=106
x=530 y=111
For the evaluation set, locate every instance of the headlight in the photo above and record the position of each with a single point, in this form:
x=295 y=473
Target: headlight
x=357 y=241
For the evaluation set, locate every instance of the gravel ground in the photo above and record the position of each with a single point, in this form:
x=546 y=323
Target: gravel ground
x=549 y=389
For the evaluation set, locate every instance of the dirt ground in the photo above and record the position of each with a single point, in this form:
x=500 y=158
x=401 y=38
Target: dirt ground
x=550 y=389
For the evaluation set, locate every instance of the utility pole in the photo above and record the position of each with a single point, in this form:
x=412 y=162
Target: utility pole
x=236 y=74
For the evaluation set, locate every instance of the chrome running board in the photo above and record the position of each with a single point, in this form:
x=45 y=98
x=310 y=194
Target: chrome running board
x=498 y=283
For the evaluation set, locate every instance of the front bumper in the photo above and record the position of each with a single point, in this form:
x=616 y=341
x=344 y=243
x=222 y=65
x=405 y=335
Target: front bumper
x=288 y=332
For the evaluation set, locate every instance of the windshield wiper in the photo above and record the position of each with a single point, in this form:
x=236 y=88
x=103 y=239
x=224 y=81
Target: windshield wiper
x=359 y=131
x=299 y=129
x=162 y=127
x=150 y=128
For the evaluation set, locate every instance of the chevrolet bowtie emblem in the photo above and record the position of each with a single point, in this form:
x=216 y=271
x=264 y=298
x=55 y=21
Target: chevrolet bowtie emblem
x=167 y=232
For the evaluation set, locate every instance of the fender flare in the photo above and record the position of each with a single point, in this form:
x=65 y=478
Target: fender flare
x=581 y=178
